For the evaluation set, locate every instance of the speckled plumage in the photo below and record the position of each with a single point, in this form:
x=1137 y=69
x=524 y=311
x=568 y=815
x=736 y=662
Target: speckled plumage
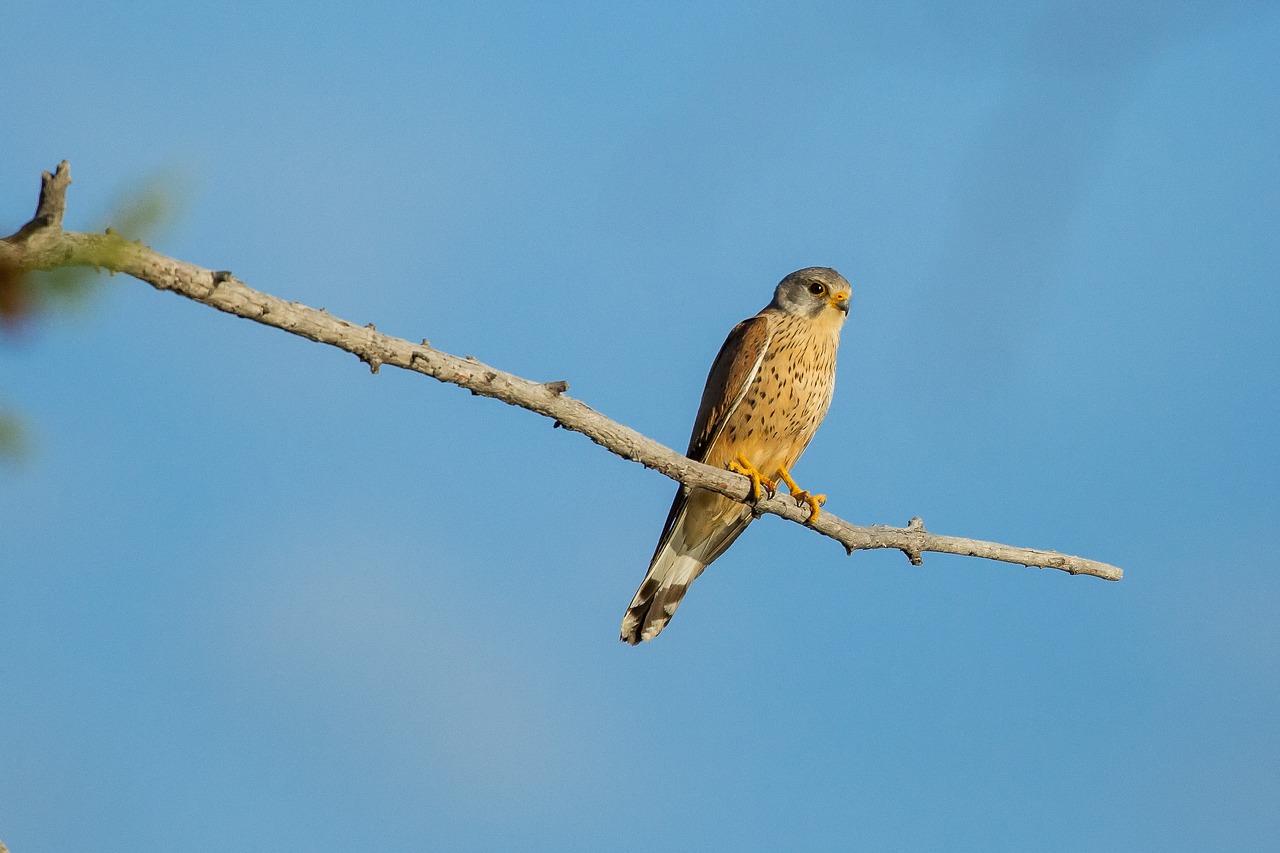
x=768 y=390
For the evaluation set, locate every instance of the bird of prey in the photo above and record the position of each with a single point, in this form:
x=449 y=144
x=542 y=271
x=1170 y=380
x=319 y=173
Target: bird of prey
x=766 y=394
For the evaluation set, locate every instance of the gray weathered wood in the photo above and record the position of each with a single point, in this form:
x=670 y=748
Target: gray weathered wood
x=42 y=244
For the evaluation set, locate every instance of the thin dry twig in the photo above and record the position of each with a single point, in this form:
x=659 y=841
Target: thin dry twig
x=42 y=244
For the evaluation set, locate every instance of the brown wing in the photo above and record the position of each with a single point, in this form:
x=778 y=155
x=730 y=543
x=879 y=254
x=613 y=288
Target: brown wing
x=731 y=374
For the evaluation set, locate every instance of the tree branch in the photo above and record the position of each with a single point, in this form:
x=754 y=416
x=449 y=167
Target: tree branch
x=41 y=244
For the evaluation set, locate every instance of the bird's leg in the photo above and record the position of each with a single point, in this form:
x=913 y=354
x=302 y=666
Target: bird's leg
x=803 y=497
x=743 y=466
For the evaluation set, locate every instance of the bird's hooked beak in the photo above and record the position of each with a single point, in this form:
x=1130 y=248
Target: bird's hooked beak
x=840 y=302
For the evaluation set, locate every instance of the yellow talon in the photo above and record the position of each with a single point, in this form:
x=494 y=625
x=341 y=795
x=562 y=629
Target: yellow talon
x=803 y=497
x=743 y=466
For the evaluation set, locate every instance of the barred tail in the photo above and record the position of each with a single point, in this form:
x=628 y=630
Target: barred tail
x=659 y=595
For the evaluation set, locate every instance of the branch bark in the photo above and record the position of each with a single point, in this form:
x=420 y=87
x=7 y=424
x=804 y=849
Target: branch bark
x=42 y=244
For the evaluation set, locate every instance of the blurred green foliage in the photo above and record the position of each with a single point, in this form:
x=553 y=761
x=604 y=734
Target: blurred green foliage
x=28 y=297
x=139 y=215
x=14 y=445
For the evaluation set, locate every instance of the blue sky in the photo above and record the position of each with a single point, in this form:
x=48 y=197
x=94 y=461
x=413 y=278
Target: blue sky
x=253 y=597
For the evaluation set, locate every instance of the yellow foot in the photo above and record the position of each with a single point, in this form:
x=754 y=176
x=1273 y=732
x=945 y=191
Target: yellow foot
x=803 y=497
x=743 y=466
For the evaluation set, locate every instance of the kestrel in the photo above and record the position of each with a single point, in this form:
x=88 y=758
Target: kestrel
x=768 y=390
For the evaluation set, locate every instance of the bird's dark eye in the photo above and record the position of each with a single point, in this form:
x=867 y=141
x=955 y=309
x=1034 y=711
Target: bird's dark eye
x=817 y=288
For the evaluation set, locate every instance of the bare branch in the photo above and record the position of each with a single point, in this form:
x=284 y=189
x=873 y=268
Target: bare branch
x=42 y=244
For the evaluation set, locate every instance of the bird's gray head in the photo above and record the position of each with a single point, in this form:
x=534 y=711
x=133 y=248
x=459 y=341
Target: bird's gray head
x=813 y=292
